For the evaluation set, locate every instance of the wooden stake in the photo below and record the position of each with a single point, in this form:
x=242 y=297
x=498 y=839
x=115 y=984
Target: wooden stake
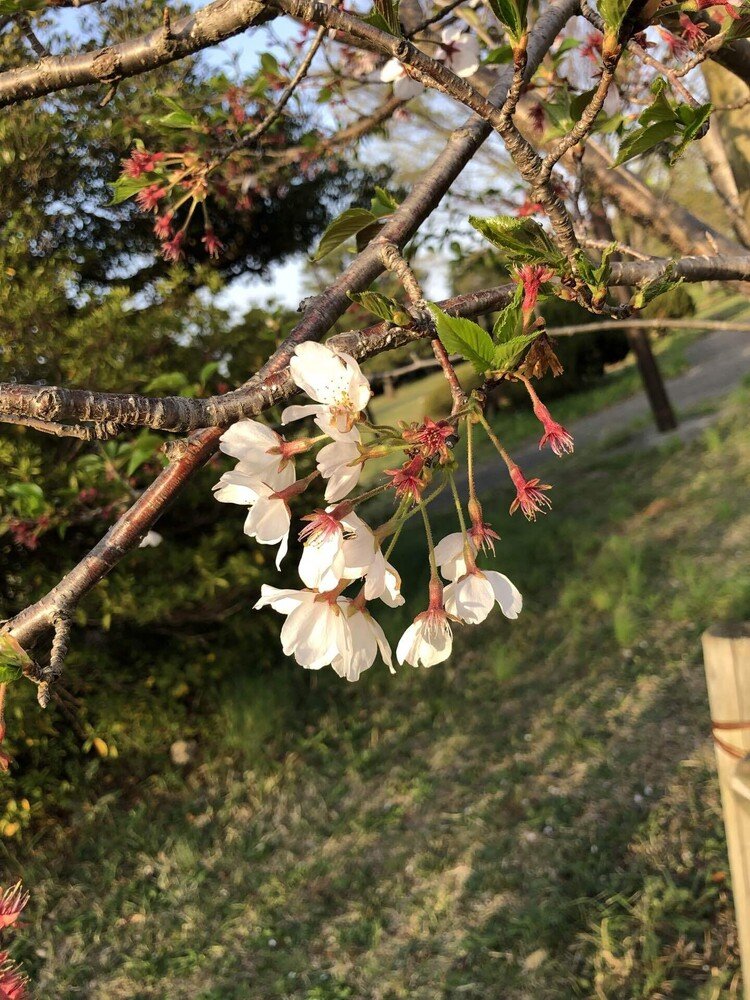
x=726 y=656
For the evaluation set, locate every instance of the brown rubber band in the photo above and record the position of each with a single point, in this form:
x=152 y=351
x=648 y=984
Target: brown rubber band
x=736 y=752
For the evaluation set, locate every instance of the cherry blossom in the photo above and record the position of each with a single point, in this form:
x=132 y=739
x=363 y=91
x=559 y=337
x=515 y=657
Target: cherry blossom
x=404 y=87
x=529 y=496
x=12 y=983
x=427 y=641
x=269 y=519
x=364 y=560
x=322 y=564
x=337 y=462
x=334 y=380
x=450 y=555
x=555 y=435
x=365 y=639
x=261 y=451
x=408 y=480
x=315 y=632
x=472 y=596
x=12 y=903
x=459 y=50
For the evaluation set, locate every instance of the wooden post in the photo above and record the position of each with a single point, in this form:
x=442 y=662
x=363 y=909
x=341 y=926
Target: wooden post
x=726 y=656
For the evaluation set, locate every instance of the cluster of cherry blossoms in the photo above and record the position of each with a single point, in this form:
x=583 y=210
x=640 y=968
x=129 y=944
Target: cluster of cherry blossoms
x=324 y=624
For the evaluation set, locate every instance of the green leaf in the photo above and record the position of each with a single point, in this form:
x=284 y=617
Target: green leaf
x=613 y=13
x=521 y=240
x=12 y=7
x=740 y=28
x=348 y=224
x=379 y=305
x=209 y=369
x=565 y=46
x=499 y=56
x=269 y=64
x=173 y=382
x=643 y=139
x=28 y=499
x=462 y=336
x=649 y=290
x=384 y=15
x=693 y=119
x=506 y=355
x=125 y=187
x=511 y=13
x=143 y=448
x=510 y=319
x=383 y=203
x=13 y=659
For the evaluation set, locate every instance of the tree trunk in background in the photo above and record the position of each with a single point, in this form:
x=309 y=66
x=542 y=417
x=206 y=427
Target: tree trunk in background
x=724 y=88
x=640 y=344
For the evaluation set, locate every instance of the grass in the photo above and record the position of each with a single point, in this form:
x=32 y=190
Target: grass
x=538 y=817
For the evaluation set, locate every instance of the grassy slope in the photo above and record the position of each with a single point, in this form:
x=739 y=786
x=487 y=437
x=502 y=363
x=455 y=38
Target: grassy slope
x=536 y=818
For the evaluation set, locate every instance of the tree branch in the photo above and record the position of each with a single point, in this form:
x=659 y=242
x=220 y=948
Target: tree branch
x=212 y=24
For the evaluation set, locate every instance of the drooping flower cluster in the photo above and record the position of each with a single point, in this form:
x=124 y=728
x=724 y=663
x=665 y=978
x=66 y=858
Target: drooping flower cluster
x=325 y=626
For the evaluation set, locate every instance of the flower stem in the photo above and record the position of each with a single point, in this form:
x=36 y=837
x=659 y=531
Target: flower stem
x=496 y=441
x=470 y=458
x=457 y=501
x=430 y=542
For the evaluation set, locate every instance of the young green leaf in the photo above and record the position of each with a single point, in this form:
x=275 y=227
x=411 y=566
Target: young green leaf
x=649 y=290
x=511 y=13
x=509 y=322
x=348 y=224
x=613 y=13
x=506 y=355
x=125 y=187
x=384 y=15
x=523 y=241
x=383 y=203
x=379 y=305
x=462 y=336
x=694 y=120
x=13 y=659
x=643 y=139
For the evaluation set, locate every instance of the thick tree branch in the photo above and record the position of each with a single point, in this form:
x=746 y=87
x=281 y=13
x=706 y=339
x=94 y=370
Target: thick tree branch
x=179 y=413
x=212 y=24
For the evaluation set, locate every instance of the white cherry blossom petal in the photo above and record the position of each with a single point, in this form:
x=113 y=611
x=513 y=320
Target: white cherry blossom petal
x=506 y=593
x=470 y=598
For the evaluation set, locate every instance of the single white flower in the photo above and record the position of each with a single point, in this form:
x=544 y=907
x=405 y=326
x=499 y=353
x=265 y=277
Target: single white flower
x=322 y=564
x=449 y=555
x=314 y=632
x=364 y=560
x=259 y=448
x=337 y=462
x=404 y=87
x=334 y=381
x=366 y=638
x=472 y=596
x=150 y=540
x=269 y=519
x=427 y=641
x=460 y=51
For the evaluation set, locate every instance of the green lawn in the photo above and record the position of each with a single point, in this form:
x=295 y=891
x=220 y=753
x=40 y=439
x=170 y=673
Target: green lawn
x=536 y=818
